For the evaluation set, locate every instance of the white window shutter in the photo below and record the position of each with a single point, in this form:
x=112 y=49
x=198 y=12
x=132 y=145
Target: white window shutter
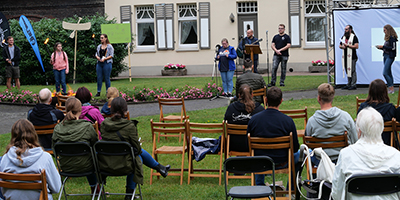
x=294 y=23
x=165 y=26
x=204 y=24
x=126 y=14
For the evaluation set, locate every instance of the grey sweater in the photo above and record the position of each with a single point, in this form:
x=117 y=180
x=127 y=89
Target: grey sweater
x=329 y=123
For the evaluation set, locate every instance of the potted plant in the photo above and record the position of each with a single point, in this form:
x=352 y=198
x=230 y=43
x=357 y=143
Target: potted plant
x=174 y=70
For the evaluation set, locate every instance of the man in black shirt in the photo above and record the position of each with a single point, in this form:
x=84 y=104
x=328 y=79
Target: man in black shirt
x=280 y=44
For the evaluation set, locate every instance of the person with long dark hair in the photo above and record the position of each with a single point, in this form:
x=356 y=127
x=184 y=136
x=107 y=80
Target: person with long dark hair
x=240 y=112
x=59 y=60
x=116 y=128
x=104 y=56
x=24 y=155
x=73 y=129
x=378 y=99
x=389 y=54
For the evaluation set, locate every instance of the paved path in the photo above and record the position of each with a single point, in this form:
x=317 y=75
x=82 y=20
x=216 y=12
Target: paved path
x=11 y=113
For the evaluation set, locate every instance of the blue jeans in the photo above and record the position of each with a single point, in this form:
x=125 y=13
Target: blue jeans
x=387 y=69
x=260 y=178
x=227 y=81
x=1 y=194
x=276 y=60
x=103 y=70
x=147 y=160
x=59 y=76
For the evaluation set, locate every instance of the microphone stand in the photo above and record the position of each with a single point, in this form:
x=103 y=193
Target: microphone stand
x=267 y=56
x=215 y=71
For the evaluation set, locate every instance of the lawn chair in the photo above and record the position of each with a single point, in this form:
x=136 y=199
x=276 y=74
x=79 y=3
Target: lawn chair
x=372 y=184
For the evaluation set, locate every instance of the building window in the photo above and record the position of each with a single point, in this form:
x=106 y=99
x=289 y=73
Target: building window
x=314 y=23
x=145 y=26
x=246 y=7
x=187 y=19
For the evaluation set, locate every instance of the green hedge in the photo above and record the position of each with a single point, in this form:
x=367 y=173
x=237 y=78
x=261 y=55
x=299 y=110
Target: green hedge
x=31 y=71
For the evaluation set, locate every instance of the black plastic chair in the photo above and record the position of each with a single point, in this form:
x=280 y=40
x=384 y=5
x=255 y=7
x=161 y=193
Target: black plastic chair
x=249 y=164
x=120 y=152
x=71 y=150
x=373 y=184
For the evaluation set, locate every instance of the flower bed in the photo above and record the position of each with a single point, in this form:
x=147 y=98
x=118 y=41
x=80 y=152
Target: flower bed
x=130 y=95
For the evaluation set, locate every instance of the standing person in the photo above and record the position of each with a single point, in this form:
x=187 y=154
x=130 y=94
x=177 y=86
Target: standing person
x=24 y=155
x=104 y=55
x=280 y=44
x=389 y=54
x=250 y=39
x=59 y=60
x=378 y=99
x=226 y=56
x=12 y=56
x=349 y=44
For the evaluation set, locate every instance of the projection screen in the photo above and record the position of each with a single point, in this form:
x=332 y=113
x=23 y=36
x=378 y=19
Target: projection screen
x=368 y=27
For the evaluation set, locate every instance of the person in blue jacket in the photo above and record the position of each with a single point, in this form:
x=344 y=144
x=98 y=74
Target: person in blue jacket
x=389 y=54
x=226 y=56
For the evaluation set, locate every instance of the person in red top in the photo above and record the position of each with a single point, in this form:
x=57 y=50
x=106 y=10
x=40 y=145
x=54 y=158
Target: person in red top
x=59 y=60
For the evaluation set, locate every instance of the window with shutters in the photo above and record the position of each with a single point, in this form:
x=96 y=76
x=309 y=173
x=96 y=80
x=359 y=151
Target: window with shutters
x=145 y=27
x=314 y=13
x=187 y=20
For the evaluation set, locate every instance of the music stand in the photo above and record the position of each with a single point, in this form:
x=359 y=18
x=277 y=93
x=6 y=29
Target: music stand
x=253 y=49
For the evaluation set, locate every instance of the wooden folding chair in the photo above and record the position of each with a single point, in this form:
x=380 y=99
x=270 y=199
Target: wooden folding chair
x=284 y=142
x=238 y=131
x=358 y=102
x=339 y=141
x=96 y=128
x=261 y=92
x=172 y=102
x=45 y=130
x=299 y=113
x=394 y=138
x=61 y=102
x=25 y=182
x=126 y=116
x=168 y=128
x=207 y=130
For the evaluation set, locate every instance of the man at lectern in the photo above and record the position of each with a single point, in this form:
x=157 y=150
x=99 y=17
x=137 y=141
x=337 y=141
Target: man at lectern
x=250 y=39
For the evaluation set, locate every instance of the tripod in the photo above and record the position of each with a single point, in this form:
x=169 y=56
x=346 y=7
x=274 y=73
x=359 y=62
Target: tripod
x=215 y=72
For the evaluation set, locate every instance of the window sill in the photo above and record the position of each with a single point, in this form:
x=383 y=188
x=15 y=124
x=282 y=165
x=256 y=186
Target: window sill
x=144 y=51
x=315 y=47
x=187 y=49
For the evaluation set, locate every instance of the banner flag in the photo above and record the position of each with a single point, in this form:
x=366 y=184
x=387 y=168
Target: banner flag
x=30 y=36
x=4 y=29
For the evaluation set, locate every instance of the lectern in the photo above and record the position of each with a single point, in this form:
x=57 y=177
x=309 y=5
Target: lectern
x=253 y=49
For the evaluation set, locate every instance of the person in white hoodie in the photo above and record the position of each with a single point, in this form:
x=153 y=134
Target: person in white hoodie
x=369 y=155
x=24 y=155
x=330 y=121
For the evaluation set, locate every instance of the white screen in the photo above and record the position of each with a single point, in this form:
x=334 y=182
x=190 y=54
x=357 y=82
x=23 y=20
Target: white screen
x=368 y=27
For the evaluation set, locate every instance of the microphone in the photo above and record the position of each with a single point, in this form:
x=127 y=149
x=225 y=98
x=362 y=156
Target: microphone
x=241 y=37
x=260 y=40
x=218 y=46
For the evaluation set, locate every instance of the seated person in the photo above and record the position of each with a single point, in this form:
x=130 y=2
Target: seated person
x=369 y=155
x=112 y=93
x=271 y=123
x=45 y=114
x=240 y=112
x=330 y=121
x=89 y=112
x=24 y=155
x=378 y=99
x=110 y=128
x=73 y=129
x=254 y=80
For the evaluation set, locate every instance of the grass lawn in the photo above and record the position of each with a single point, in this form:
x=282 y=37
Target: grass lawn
x=199 y=188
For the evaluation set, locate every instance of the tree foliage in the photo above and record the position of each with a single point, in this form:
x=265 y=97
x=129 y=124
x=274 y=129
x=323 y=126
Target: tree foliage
x=30 y=69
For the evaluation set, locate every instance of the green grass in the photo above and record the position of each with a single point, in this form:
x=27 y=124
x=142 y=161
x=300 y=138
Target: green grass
x=199 y=188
